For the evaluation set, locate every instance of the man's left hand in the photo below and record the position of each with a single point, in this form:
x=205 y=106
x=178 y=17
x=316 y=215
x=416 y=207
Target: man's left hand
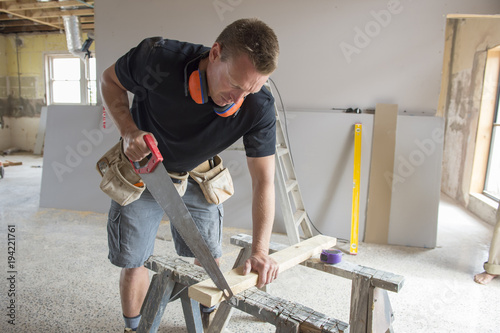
x=265 y=266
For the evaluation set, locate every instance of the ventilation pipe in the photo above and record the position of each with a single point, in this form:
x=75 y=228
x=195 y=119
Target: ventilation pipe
x=73 y=39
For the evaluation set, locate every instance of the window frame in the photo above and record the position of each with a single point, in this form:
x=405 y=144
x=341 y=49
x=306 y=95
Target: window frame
x=495 y=128
x=85 y=79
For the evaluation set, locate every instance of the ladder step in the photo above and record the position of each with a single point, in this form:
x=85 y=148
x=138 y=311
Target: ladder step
x=281 y=151
x=290 y=184
x=299 y=216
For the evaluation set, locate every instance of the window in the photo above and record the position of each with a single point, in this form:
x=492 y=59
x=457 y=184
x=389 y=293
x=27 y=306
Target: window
x=70 y=80
x=486 y=166
x=492 y=181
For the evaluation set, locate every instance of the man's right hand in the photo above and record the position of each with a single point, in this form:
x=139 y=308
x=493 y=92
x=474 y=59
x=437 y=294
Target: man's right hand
x=135 y=147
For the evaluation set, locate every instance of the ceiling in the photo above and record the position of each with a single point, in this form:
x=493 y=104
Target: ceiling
x=29 y=16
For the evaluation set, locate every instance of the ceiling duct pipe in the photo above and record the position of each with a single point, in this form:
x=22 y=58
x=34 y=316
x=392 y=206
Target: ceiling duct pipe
x=73 y=33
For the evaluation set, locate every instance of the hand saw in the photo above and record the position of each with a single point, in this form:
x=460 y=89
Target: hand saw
x=160 y=185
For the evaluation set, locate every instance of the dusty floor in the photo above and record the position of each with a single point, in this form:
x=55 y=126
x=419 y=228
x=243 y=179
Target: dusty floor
x=64 y=282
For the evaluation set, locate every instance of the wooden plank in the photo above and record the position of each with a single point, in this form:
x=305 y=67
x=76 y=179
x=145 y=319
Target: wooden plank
x=11 y=163
x=381 y=174
x=207 y=294
x=380 y=279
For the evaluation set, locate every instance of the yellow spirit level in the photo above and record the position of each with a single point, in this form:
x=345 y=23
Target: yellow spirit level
x=355 y=190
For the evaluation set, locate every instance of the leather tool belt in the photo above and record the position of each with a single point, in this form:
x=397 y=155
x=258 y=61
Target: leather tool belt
x=122 y=184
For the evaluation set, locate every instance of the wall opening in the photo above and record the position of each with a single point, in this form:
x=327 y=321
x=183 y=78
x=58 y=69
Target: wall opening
x=486 y=167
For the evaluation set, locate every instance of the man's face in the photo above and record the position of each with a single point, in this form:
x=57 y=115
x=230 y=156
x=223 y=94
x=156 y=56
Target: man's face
x=233 y=79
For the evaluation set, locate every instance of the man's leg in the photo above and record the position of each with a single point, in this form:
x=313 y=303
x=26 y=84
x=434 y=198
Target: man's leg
x=131 y=236
x=134 y=284
x=492 y=267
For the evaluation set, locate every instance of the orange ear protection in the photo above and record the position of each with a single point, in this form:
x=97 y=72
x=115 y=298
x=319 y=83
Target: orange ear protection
x=198 y=89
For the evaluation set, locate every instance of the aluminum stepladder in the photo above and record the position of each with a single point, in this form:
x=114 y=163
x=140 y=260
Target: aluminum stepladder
x=287 y=187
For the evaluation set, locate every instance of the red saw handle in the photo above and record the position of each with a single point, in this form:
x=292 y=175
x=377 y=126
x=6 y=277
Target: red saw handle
x=153 y=161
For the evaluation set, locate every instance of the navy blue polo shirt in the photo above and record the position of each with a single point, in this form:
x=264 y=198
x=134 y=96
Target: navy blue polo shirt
x=189 y=133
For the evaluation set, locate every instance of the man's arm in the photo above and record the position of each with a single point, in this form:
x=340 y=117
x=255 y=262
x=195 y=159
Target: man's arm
x=115 y=100
x=263 y=198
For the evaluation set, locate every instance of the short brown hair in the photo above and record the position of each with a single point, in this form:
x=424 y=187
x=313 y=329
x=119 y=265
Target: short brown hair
x=253 y=38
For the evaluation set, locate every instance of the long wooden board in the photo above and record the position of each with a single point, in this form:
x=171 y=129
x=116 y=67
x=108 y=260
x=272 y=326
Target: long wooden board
x=381 y=171
x=208 y=294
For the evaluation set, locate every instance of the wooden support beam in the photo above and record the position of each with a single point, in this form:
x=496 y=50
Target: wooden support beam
x=286 y=314
x=45 y=5
x=384 y=280
x=207 y=294
x=360 y=309
x=221 y=318
x=156 y=300
x=31 y=19
x=192 y=313
x=60 y=13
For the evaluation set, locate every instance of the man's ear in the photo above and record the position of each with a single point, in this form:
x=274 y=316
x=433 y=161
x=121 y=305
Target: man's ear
x=215 y=52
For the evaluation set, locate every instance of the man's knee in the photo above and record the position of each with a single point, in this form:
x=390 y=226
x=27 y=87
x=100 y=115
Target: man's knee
x=134 y=273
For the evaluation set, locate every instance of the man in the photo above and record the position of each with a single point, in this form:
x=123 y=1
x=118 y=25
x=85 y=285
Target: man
x=157 y=71
x=492 y=266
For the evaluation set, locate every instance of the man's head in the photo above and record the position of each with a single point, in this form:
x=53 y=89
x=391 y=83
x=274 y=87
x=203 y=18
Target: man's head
x=241 y=60
x=253 y=38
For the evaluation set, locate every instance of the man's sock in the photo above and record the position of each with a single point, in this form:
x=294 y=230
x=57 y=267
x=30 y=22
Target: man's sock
x=132 y=323
x=205 y=309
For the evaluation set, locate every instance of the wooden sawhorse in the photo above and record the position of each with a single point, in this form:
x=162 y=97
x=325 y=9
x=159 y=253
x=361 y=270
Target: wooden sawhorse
x=369 y=302
x=370 y=310
x=174 y=275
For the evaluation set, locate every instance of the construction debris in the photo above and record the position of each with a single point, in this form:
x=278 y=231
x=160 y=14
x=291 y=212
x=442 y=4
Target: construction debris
x=11 y=163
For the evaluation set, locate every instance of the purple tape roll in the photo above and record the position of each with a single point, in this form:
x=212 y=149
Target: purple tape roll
x=331 y=256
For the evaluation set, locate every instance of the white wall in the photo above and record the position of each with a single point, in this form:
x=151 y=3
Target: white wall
x=326 y=61
x=400 y=64
x=19 y=133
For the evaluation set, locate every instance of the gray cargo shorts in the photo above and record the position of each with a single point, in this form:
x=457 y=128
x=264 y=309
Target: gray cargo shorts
x=132 y=228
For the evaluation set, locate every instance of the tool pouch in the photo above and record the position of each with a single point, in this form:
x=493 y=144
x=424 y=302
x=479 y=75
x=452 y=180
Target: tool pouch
x=215 y=182
x=180 y=181
x=119 y=180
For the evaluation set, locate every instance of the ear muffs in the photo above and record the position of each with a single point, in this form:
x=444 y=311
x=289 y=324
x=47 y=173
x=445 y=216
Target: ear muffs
x=229 y=109
x=198 y=89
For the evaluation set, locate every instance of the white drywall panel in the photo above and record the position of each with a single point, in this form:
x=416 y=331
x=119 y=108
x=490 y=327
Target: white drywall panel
x=322 y=146
x=416 y=181
x=323 y=151
x=74 y=141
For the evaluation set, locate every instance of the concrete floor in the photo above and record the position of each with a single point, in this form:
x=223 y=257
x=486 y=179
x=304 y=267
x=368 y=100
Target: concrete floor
x=64 y=282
